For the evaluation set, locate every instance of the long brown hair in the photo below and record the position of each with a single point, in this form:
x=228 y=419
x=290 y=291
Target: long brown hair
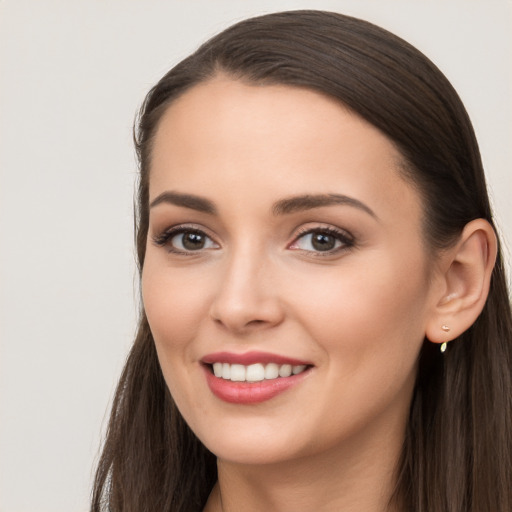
x=457 y=455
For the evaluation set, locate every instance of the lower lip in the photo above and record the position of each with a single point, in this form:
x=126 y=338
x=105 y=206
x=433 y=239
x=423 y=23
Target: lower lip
x=250 y=392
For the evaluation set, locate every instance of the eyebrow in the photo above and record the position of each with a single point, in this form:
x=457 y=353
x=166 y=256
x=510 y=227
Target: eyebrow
x=309 y=202
x=186 y=200
x=282 y=207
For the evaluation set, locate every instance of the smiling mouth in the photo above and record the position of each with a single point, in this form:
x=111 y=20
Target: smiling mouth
x=255 y=372
x=253 y=377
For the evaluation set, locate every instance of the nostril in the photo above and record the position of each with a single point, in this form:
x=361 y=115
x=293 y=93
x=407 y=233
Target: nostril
x=244 y=312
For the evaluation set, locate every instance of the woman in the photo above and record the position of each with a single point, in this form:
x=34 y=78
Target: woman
x=326 y=323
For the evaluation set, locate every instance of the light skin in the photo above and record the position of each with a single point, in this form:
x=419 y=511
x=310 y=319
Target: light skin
x=232 y=164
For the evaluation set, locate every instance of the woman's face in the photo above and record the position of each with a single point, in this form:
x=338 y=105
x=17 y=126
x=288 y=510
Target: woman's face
x=282 y=238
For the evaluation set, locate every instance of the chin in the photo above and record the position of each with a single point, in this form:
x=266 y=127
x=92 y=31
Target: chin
x=251 y=445
x=250 y=455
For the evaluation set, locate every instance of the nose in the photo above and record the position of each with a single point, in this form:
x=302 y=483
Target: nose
x=247 y=297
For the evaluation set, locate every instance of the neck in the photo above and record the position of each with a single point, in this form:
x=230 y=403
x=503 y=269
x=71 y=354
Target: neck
x=351 y=478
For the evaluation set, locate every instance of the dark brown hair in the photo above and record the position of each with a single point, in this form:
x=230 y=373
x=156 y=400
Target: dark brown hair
x=457 y=454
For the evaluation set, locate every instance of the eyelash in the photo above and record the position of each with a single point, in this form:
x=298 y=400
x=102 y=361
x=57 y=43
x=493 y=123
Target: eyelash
x=346 y=240
x=166 y=236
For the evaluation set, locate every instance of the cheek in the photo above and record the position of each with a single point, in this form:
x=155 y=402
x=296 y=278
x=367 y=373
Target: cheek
x=173 y=308
x=172 y=298
x=378 y=304
x=173 y=304
x=369 y=327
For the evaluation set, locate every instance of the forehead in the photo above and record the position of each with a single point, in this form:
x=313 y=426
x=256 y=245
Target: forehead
x=290 y=139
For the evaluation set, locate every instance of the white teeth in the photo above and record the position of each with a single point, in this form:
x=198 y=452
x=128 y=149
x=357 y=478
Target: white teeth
x=285 y=370
x=226 y=371
x=237 y=372
x=271 y=371
x=298 y=369
x=217 y=369
x=255 y=372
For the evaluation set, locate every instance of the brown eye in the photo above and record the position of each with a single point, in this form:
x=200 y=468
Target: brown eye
x=318 y=241
x=191 y=241
x=181 y=240
x=323 y=241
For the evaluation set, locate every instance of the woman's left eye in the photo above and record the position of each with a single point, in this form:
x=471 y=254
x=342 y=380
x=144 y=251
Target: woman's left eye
x=322 y=241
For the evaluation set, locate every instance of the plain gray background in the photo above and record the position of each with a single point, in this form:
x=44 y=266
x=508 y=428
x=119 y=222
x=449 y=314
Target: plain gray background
x=72 y=75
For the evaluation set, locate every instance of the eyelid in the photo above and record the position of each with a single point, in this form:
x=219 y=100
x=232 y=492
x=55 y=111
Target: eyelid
x=163 y=237
x=346 y=238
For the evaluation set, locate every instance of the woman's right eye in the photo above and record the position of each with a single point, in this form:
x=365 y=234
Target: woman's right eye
x=185 y=240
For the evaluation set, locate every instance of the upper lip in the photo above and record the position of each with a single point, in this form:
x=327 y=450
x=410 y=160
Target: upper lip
x=252 y=357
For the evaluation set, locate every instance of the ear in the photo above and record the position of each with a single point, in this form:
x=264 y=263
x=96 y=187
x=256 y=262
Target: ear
x=465 y=277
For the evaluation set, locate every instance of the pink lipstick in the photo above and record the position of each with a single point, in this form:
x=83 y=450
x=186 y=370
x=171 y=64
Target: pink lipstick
x=252 y=377
x=250 y=358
